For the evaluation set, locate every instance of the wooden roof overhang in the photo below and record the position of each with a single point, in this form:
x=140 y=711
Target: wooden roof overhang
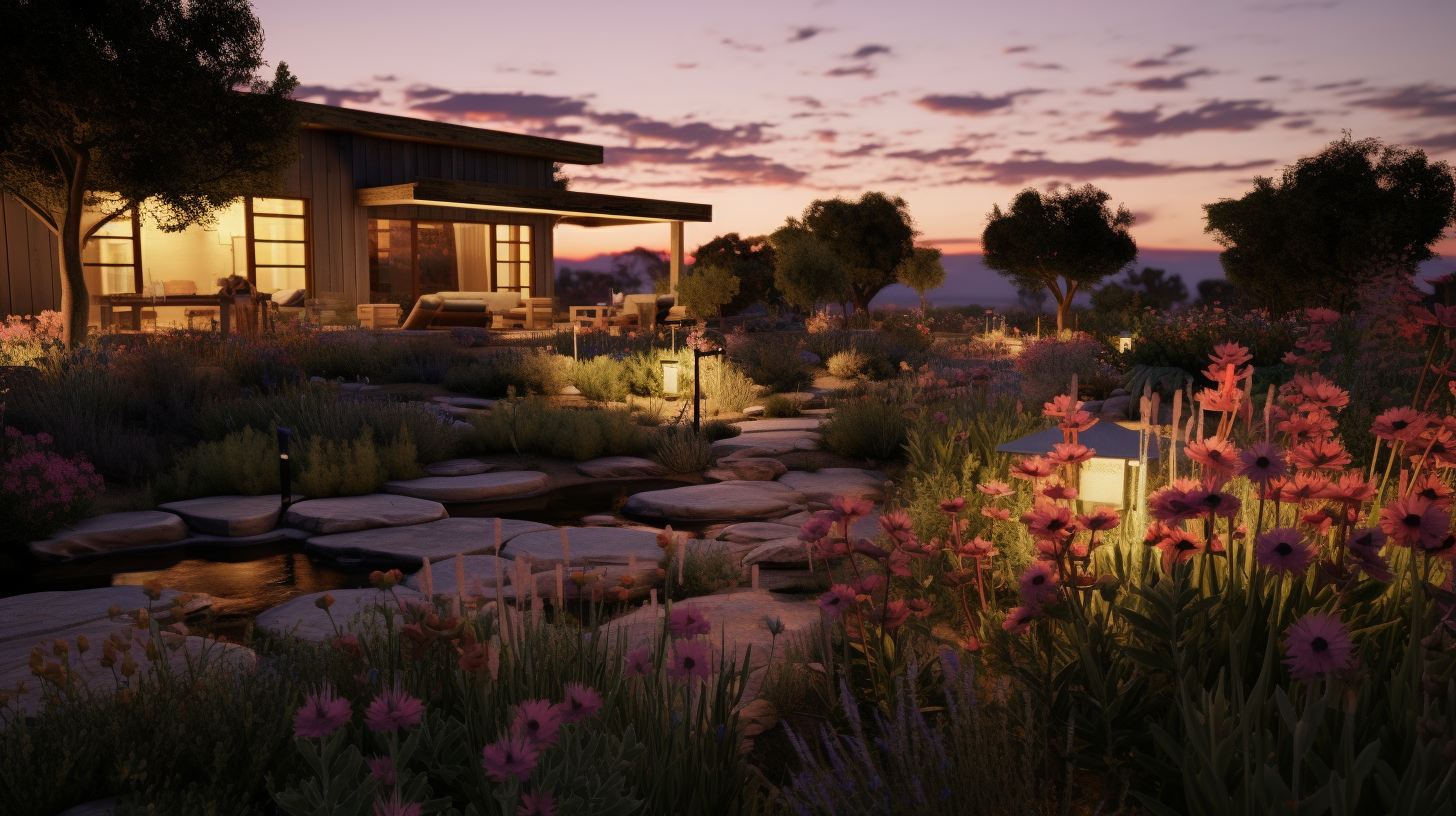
x=582 y=209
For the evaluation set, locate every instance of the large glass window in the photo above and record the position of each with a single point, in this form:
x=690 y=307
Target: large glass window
x=512 y=250
x=111 y=258
x=391 y=261
x=279 y=247
x=408 y=259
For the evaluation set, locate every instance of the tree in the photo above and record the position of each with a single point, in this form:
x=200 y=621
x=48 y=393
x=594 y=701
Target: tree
x=1150 y=287
x=1219 y=292
x=642 y=264
x=149 y=105
x=751 y=260
x=870 y=237
x=1061 y=240
x=922 y=271
x=806 y=270
x=1333 y=222
x=706 y=288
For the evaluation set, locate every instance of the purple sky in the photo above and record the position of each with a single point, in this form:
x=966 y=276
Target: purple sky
x=760 y=107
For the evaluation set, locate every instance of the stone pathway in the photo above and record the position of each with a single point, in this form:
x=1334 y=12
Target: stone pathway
x=405 y=546
x=725 y=501
x=747 y=469
x=770 y=443
x=590 y=546
x=621 y=467
x=826 y=483
x=229 y=515
x=459 y=467
x=473 y=403
x=113 y=531
x=509 y=484
x=791 y=424
x=737 y=619
x=756 y=532
x=350 y=513
x=352 y=609
x=780 y=553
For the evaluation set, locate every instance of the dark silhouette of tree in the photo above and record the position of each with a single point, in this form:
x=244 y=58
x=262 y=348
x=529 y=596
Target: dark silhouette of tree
x=751 y=260
x=870 y=237
x=155 y=105
x=1150 y=287
x=1332 y=223
x=922 y=271
x=806 y=270
x=1061 y=241
x=1219 y=292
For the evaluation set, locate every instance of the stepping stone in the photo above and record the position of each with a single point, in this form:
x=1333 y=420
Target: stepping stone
x=436 y=540
x=229 y=515
x=352 y=608
x=273 y=536
x=474 y=403
x=747 y=469
x=349 y=513
x=753 y=410
x=780 y=553
x=459 y=467
x=509 y=484
x=737 y=619
x=756 y=532
x=867 y=527
x=771 y=443
x=590 y=546
x=620 y=467
x=112 y=532
x=38 y=615
x=462 y=426
x=770 y=425
x=827 y=483
x=479 y=575
x=725 y=501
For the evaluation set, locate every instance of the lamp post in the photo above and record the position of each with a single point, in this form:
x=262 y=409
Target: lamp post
x=698 y=355
x=285 y=486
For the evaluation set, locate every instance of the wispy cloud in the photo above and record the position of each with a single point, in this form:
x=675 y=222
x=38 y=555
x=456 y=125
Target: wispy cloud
x=714 y=170
x=335 y=96
x=496 y=107
x=1020 y=171
x=1416 y=100
x=1229 y=116
x=867 y=51
x=805 y=33
x=1177 y=82
x=1165 y=60
x=972 y=104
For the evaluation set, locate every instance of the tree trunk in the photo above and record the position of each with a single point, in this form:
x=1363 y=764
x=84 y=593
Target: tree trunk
x=75 y=301
x=922 y=304
x=1064 y=304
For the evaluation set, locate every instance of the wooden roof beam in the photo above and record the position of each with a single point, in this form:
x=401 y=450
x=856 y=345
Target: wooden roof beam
x=509 y=198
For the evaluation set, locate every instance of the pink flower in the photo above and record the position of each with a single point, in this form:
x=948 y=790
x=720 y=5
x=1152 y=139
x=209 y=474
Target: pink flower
x=539 y=803
x=1064 y=453
x=1038 y=582
x=1218 y=455
x=1049 y=521
x=1363 y=546
x=892 y=614
x=815 y=529
x=393 y=708
x=1261 y=462
x=1032 y=468
x=687 y=621
x=690 y=658
x=394 y=807
x=1174 y=503
x=1319 y=454
x=1317 y=645
x=1178 y=546
x=1020 y=618
x=1401 y=424
x=953 y=506
x=1056 y=491
x=838 y=599
x=997 y=513
x=581 y=703
x=639 y=661
x=514 y=755
x=1103 y=518
x=995 y=489
x=381 y=768
x=322 y=714
x=851 y=507
x=538 y=721
x=1284 y=551
x=1413 y=521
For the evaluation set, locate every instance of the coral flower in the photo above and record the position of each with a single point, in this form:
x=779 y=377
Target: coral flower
x=514 y=755
x=1103 y=518
x=539 y=803
x=394 y=807
x=688 y=621
x=639 y=661
x=1319 y=454
x=995 y=489
x=1064 y=453
x=1401 y=424
x=393 y=708
x=1056 y=491
x=976 y=548
x=1218 y=455
x=1032 y=468
x=1413 y=521
x=1020 y=618
x=997 y=513
x=581 y=703
x=1230 y=354
x=1284 y=550
x=1178 y=546
x=892 y=614
x=953 y=506
x=1062 y=405
x=1431 y=488
x=381 y=768
x=690 y=658
x=1303 y=487
x=816 y=529
x=1038 y=582
x=322 y=713
x=1321 y=316
x=851 y=507
x=1363 y=547
x=538 y=721
x=1317 y=645
x=898 y=525
x=1050 y=521
x=836 y=600
x=1352 y=488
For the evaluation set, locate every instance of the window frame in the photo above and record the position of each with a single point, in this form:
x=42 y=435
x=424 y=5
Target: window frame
x=138 y=281
x=252 y=240
x=528 y=257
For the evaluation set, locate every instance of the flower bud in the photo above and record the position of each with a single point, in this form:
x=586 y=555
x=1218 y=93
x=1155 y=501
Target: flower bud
x=324 y=601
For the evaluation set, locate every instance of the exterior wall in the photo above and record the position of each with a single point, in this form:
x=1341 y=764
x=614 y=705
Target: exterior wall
x=30 y=277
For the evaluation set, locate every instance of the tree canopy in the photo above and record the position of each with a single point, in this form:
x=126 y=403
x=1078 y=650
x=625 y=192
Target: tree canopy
x=870 y=237
x=1149 y=288
x=921 y=271
x=1061 y=241
x=806 y=270
x=155 y=105
x=1332 y=223
x=751 y=260
x=707 y=287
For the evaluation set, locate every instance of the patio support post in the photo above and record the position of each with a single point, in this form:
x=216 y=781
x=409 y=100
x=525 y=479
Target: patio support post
x=675 y=254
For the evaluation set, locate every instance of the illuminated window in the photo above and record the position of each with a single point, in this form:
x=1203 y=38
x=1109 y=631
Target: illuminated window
x=410 y=258
x=512 y=245
x=278 y=251
x=112 y=256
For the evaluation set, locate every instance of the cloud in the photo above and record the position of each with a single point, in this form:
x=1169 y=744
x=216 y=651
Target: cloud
x=1442 y=143
x=1229 y=116
x=1296 y=124
x=867 y=51
x=685 y=66
x=1165 y=60
x=1269 y=78
x=335 y=96
x=1017 y=49
x=1020 y=171
x=1334 y=86
x=1044 y=66
x=1176 y=82
x=867 y=149
x=1417 y=100
x=971 y=104
x=738 y=46
x=498 y=107
x=1296 y=5
x=865 y=71
x=932 y=156
x=805 y=33
x=807 y=101
x=826 y=135
x=716 y=170
x=695 y=135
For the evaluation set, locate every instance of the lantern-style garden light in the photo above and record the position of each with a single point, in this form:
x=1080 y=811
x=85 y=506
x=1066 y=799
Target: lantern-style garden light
x=669 y=376
x=1103 y=479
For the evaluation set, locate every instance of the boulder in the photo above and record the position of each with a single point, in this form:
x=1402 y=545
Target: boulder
x=725 y=501
x=770 y=443
x=509 y=484
x=757 y=532
x=620 y=467
x=435 y=540
x=809 y=357
x=349 y=513
x=602 y=520
x=742 y=453
x=753 y=410
x=302 y=618
x=747 y=469
x=474 y=403
x=459 y=467
x=825 y=484
x=737 y=620
x=867 y=527
x=480 y=572
x=113 y=531
x=590 y=546
x=771 y=425
x=229 y=515
x=780 y=553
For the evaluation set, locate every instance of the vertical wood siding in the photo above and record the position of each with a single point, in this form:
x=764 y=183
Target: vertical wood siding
x=30 y=278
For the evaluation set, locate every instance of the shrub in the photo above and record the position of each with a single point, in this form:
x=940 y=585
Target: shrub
x=242 y=463
x=909 y=329
x=726 y=387
x=707 y=289
x=884 y=357
x=340 y=468
x=848 y=365
x=27 y=341
x=682 y=450
x=775 y=364
x=534 y=426
x=40 y=490
x=1049 y=364
x=715 y=429
x=708 y=568
x=781 y=407
x=494 y=374
x=600 y=379
x=869 y=428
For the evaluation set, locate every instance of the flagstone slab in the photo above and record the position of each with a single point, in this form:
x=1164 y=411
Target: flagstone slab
x=113 y=531
x=434 y=540
x=590 y=546
x=757 y=532
x=474 y=403
x=229 y=515
x=867 y=527
x=508 y=484
x=780 y=553
x=459 y=467
x=724 y=501
x=770 y=443
x=785 y=424
x=620 y=467
x=737 y=620
x=827 y=483
x=353 y=609
x=349 y=513
x=747 y=469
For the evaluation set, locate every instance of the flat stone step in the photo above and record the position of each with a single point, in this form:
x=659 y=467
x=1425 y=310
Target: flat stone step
x=737 y=620
x=827 y=483
x=508 y=484
x=747 y=469
x=474 y=403
x=349 y=513
x=301 y=618
x=590 y=546
x=725 y=501
x=459 y=467
x=770 y=443
x=756 y=532
x=435 y=540
x=790 y=424
x=229 y=515
x=780 y=553
x=620 y=467
x=113 y=531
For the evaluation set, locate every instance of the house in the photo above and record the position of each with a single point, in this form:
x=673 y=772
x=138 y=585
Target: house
x=376 y=209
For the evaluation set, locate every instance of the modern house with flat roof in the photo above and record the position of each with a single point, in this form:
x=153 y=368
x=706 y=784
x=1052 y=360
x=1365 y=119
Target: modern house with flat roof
x=376 y=209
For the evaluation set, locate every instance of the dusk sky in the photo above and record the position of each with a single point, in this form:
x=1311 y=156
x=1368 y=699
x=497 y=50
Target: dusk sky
x=760 y=107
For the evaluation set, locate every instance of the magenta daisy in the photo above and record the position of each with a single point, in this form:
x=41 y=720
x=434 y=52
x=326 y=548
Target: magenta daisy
x=381 y=768
x=1262 y=462
x=688 y=621
x=1284 y=550
x=1020 y=618
x=393 y=708
x=639 y=661
x=538 y=721
x=581 y=703
x=836 y=600
x=321 y=714
x=1317 y=645
x=690 y=659
x=539 y=803
x=394 y=807
x=514 y=755
x=1037 y=582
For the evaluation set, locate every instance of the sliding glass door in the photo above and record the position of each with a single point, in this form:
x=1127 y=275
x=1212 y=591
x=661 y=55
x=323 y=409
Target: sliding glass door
x=409 y=258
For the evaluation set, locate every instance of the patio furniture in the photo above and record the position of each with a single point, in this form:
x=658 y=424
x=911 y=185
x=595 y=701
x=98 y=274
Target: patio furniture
x=139 y=303
x=532 y=313
x=451 y=309
x=326 y=306
x=208 y=315
x=379 y=315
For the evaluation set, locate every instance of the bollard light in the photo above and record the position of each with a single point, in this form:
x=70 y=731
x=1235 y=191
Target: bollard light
x=669 y=376
x=1124 y=342
x=285 y=488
